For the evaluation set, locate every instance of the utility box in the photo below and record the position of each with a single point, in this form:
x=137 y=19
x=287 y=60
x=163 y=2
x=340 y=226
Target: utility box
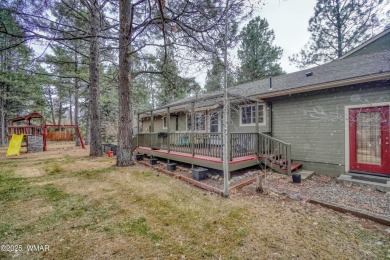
x=110 y=147
x=199 y=173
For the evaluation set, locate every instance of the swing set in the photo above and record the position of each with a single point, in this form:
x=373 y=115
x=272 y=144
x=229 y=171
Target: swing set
x=34 y=129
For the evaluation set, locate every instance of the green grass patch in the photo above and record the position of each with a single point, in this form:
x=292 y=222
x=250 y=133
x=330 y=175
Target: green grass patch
x=139 y=226
x=54 y=168
x=13 y=188
x=91 y=174
x=53 y=194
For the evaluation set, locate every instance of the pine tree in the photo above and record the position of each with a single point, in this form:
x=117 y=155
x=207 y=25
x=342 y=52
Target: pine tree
x=214 y=78
x=258 y=56
x=20 y=90
x=215 y=75
x=336 y=27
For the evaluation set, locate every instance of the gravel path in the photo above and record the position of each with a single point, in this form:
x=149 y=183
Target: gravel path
x=325 y=188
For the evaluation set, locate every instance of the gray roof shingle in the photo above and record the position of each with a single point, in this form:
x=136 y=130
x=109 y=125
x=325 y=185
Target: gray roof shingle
x=353 y=67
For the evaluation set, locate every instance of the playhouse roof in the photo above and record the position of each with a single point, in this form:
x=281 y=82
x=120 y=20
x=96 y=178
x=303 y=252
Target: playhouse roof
x=27 y=117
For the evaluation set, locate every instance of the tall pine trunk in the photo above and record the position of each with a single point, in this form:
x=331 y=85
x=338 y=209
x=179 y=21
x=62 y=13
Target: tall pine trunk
x=60 y=114
x=76 y=100
x=51 y=106
x=94 y=111
x=88 y=129
x=70 y=107
x=339 y=33
x=2 y=121
x=124 y=155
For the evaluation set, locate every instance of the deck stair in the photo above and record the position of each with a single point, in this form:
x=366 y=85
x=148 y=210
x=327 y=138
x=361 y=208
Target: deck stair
x=276 y=154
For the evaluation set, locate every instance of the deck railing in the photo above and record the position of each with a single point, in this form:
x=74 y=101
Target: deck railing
x=25 y=130
x=180 y=142
x=210 y=144
x=275 y=151
x=243 y=144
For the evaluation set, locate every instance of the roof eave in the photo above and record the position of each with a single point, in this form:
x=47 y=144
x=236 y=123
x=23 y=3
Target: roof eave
x=327 y=85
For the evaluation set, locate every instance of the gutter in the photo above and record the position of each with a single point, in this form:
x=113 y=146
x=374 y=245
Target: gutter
x=327 y=85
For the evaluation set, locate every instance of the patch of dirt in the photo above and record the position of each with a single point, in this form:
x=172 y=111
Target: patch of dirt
x=29 y=172
x=88 y=165
x=26 y=212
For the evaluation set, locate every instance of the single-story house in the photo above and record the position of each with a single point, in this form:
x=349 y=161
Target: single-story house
x=332 y=119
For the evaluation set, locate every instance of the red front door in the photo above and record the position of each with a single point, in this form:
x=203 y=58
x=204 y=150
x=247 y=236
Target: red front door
x=369 y=139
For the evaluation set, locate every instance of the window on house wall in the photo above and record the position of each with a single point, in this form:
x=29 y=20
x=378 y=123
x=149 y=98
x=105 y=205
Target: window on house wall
x=200 y=121
x=165 y=122
x=214 y=122
x=248 y=114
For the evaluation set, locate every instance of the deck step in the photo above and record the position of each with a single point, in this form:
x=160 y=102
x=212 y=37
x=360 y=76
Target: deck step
x=373 y=182
x=274 y=156
x=294 y=167
x=305 y=174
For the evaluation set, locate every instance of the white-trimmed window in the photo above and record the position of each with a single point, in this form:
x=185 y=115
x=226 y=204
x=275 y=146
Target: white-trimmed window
x=200 y=121
x=248 y=115
x=165 y=122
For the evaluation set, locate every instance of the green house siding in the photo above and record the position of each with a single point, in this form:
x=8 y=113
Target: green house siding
x=234 y=123
x=314 y=123
x=158 y=123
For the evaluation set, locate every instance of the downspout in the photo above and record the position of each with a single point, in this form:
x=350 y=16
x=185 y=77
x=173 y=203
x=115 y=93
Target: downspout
x=270 y=110
x=271 y=119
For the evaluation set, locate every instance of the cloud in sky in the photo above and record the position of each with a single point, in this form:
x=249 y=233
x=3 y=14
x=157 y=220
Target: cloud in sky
x=289 y=19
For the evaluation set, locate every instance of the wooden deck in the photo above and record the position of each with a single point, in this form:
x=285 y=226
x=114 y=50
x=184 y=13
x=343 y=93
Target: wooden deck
x=201 y=160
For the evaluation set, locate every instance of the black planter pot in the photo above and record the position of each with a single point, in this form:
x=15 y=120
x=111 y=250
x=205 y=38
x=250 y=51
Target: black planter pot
x=296 y=178
x=139 y=156
x=153 y=161
x=171 y=166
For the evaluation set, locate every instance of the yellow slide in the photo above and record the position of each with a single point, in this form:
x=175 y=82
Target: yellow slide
x=15 y=145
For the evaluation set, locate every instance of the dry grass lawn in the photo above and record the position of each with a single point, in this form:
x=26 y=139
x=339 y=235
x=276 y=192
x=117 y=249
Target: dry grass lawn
x=86 y=208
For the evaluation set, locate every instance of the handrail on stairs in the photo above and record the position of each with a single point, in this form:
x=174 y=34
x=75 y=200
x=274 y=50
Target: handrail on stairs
x=277 y=152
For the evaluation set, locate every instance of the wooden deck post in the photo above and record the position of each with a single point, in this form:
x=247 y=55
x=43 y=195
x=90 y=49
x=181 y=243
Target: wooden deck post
x=138 y=131
x=257 y=127
x=226 y=147
x=288 y=159
x=151 y=129
x=168 y=118
x=192 y=139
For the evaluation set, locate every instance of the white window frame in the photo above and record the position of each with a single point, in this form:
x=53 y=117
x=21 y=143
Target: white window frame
x=165 y=125
x=196 y=130
x=254 y=123
x=219 y=121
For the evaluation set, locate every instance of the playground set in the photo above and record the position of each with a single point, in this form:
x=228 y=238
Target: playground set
x=34 y=131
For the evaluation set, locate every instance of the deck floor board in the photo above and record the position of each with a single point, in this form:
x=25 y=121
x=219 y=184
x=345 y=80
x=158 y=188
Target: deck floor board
x=201 y=157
